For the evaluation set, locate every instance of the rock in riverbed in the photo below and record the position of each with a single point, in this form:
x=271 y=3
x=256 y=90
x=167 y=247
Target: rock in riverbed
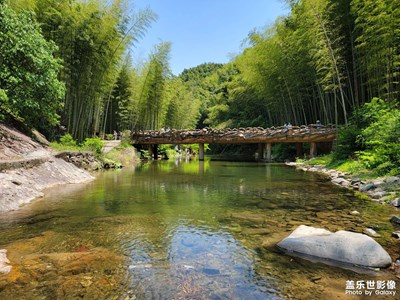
x=341 y=246
x=395 y=220
x=371 y=232
x=395 y=202
x=4 y=267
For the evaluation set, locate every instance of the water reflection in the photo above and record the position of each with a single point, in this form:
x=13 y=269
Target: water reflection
x=179 y=231
x=197 y=263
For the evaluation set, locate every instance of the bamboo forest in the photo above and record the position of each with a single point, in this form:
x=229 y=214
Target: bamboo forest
x=68 y=63
x=324 y=61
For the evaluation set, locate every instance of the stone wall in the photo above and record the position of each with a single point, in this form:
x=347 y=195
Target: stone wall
x=85 y=160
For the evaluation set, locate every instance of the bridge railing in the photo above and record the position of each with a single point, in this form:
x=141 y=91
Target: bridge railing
x=239 y=135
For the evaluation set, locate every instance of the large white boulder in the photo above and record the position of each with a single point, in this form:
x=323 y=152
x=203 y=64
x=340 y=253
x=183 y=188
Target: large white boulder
x=342 y=246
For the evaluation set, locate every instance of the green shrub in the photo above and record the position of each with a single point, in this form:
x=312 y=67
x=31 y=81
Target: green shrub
x=347 y=142
x=93 y=144
x=380 y=137
x=319 y=160
x=68 y=141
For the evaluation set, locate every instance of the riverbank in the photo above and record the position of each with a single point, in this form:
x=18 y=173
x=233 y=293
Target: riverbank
x=28 y=167
x=382 y=189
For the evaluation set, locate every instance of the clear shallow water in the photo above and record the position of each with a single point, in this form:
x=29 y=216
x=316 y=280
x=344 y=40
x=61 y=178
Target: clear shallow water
x=171 y=230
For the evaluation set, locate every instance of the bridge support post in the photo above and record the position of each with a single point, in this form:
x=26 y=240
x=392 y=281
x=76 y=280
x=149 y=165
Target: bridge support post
x=299 y=149
x=201 y=152
x=268 y=149
x=150 y=148
x=260 y=152
x=313 y=149
x=155 y=151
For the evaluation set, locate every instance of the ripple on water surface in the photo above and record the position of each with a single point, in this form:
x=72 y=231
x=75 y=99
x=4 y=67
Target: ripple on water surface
x=181 y=231
x=198 y=262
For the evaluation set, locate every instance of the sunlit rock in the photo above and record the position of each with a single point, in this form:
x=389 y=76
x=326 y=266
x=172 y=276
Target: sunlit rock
x=371 y=232
x=396 y=202
x=365 y=188
x=5 y=268
x=341 y=246
x=341 y=181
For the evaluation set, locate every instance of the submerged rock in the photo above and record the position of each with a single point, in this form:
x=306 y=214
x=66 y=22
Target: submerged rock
x=341 y=246
x=396 y=234
x=5 y=268
x=395 y=220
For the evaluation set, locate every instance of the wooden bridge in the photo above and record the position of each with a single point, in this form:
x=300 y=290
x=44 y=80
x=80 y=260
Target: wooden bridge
x=264 y=137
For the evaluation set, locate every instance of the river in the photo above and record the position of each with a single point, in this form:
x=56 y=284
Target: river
x=183 y=230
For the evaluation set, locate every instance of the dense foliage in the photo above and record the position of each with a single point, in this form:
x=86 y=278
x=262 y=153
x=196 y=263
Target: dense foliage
x=324 y=61
x=29 y=87
x=380 y=136
x=92 y=38
x=321 y=62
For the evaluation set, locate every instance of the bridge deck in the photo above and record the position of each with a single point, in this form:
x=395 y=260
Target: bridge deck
x=302 y=134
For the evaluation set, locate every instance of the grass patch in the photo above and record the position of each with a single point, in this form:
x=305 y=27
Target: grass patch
x=324 y=160
x=61 y=147
x=67 y=143
x=352 y=166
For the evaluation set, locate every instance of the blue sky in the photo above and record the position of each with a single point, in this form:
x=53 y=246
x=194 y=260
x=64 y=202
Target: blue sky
x=204 y=30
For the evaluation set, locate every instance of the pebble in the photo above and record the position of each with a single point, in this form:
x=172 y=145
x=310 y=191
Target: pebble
x=86 y=282
x=371 y=232
x=316 y=278
x=4 y=267
x=367 y=187
x=396 y=202
x=392 y=180
x=187 y=267
x=395 y=219
x=396 y=234
x=377 y=195
x=354 y=213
